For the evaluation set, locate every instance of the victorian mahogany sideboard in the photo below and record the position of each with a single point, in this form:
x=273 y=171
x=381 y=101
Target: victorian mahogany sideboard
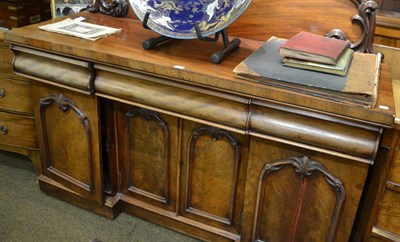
x=168 y=136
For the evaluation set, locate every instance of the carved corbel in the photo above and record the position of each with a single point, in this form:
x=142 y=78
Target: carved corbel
x=366 y=19
x=116 y=8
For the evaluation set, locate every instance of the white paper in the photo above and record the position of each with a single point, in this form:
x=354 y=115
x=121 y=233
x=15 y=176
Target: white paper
x=80 y=29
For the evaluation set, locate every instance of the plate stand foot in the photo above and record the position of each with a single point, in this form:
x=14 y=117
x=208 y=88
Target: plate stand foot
x=215 y=58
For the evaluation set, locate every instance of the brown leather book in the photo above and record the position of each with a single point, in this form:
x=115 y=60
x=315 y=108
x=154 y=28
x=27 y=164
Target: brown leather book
x=312 y=47
x=340 y=68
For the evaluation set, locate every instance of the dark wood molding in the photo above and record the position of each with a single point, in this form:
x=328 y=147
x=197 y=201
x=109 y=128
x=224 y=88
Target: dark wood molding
x=304 y=167
x=149 y=115
x=215 y=134
x=64 y=104
x=366 y=19
x=116 y=8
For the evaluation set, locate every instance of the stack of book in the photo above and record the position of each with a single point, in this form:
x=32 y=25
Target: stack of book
x=359 y=87
x=314 y=52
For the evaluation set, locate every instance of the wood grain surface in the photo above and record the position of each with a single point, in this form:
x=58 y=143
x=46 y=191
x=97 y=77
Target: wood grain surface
x=124 y=49
x=212 y=179
x=148 y=155
x=70 y=145
x=389 y=212
x=174 y=167
x=352 y=174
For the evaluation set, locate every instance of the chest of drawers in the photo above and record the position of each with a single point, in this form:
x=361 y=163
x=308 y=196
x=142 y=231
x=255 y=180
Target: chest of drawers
x=17 y=122
x=21 y=13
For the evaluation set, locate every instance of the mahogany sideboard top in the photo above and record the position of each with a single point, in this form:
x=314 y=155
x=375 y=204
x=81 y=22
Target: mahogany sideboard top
x=187 y=61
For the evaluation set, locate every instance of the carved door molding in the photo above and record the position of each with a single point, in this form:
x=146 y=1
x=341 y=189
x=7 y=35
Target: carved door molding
x=65 y=104
x=148 y=115
x=304 y=167
x=215 y=134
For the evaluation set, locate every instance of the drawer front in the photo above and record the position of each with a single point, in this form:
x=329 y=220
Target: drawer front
x=18 y=130
x=15 y=94
x=341 y=137
x=180 y=101
x=54 y=69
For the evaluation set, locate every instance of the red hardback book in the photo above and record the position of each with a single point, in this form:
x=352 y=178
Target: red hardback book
x=313 y=47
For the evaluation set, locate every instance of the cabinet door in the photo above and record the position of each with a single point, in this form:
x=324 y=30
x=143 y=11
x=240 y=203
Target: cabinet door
x=69 y=139
x=148 y=155
x=213 y=170
x=294 y=194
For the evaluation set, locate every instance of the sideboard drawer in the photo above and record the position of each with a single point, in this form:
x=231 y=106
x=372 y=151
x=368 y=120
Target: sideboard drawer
x=18 y=130
x=15 y=94
x=53 y=69
x=347 y=138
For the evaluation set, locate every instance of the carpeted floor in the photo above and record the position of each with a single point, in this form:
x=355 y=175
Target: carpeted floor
x=27 y=214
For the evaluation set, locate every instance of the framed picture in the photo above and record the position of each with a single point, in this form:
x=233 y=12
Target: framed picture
x=61 y=8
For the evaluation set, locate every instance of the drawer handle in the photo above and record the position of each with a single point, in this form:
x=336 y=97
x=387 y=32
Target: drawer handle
x=4 y=129
x=2 y=93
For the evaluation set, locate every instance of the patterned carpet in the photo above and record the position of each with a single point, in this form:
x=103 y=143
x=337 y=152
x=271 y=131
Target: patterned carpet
x=27 y=214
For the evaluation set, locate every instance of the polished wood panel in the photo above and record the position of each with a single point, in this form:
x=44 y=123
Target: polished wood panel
x=395 y=172
x=285 y=18
x=375 y=186
x=148 y=155
x=201 y=169
x=156 y=166
x=214 y=161
x=300 y=202
x=387 y=29
x=69 y=139
x=127 y=45
x=276 y=207
x=387 y=41
x=351 y=174
x=55 y=110
x=389 y=212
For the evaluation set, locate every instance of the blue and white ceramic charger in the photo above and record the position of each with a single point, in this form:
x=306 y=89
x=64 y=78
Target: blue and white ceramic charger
x=176 y=18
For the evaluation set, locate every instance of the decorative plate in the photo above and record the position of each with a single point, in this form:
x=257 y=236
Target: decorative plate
x=176 y=18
